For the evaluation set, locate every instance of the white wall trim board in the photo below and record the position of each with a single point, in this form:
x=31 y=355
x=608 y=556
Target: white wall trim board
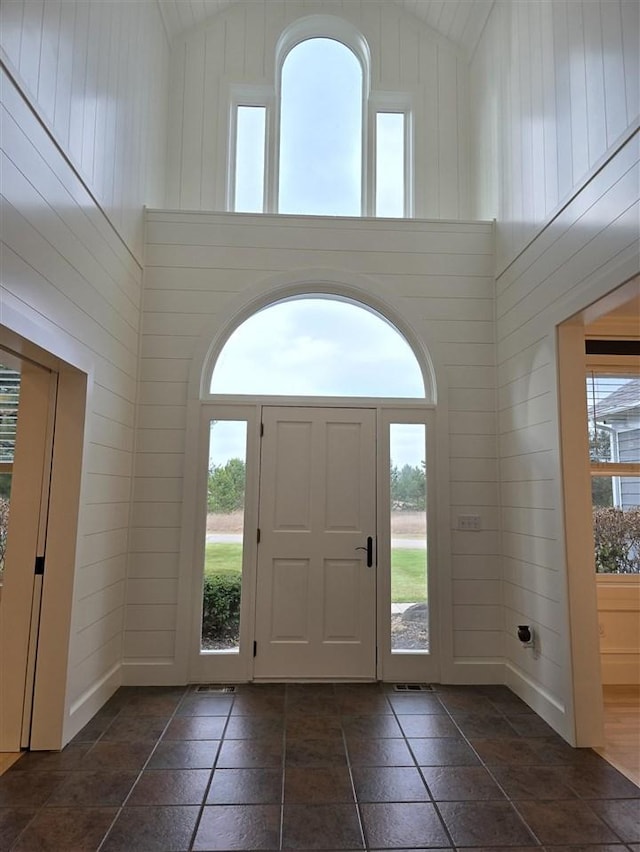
x=159 y=673
x=610 y=155
x=544 y=704
x=87 y=705
x=483 y=672
x=7 y=66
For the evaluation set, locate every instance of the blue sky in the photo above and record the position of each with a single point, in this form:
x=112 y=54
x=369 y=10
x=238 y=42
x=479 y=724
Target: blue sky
x=321 y=130
x=317 y=347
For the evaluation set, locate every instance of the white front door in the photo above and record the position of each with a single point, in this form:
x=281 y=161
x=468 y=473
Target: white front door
x=316 y=583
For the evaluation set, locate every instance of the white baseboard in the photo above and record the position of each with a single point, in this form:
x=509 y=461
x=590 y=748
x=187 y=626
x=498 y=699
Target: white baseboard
x=544 y=704
x=157 y=673
x=480 y=672
x=84 y=708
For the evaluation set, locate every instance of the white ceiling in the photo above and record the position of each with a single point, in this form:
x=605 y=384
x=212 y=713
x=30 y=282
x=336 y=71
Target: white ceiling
x=461 y=21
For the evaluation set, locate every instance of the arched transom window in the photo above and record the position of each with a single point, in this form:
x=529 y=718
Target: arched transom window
x=318 y=346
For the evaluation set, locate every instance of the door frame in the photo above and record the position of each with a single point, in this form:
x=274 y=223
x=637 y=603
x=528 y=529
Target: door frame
x=223 y=666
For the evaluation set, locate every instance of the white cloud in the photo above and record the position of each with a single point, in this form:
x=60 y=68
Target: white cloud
x=317 y=347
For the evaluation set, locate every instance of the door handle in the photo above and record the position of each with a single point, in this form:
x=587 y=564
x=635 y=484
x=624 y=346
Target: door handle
x=369 y=549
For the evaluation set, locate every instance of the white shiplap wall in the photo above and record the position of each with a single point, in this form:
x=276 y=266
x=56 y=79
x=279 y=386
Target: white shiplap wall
x=438 y=275
x=554 y=86
x=458 y=20
x=238 y=46
x=94 y=75
x=591 y=248
x=98 y=74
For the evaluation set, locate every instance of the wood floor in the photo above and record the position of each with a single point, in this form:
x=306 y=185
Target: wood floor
x=7 y=759
x=622 y=730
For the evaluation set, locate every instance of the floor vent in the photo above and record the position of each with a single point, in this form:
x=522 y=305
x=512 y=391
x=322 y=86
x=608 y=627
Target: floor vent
x=412 y=687
x=215 y=687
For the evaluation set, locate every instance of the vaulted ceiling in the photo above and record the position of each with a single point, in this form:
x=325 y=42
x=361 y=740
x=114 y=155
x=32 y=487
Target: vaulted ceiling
x=461 y=21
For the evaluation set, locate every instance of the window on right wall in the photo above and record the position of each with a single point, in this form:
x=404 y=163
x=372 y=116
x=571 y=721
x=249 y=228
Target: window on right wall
x=613 y=405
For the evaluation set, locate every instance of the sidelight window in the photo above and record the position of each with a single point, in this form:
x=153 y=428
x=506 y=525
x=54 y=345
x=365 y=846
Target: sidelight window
x=224 y=538
x=408 y=487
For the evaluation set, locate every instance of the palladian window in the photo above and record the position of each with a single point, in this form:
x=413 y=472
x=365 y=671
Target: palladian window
x=320 y=141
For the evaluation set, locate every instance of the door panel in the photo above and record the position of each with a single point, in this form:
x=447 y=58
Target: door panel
x=316 y=604
x=26 y=539
x=341 y=600
x=292 y=510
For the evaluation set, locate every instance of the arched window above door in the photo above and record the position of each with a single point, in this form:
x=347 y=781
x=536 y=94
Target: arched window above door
x=320 y=346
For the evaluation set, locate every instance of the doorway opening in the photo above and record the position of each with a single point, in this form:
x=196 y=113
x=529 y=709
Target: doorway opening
x=599 y=355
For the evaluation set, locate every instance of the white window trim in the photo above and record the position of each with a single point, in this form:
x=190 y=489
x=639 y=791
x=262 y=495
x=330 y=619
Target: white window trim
x=269 y=97
x=241 y=95
x=398 y=102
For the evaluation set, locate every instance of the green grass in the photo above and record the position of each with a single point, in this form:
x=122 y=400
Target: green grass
x=408 y=580
x=408 y=584
x=223 y=558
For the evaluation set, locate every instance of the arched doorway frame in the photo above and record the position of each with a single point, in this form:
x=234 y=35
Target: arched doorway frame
x=370 y=294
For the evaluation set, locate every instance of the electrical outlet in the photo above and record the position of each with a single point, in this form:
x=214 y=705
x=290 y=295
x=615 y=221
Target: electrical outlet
x=469 y=522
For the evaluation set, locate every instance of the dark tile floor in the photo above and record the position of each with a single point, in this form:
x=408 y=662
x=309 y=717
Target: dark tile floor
x=325 y=767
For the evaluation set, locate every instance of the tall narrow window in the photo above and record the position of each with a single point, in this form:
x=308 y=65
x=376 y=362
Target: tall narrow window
x=390 y=164
x=224 y=536
x=249 y=159
x=409 y=603
x=321 y=130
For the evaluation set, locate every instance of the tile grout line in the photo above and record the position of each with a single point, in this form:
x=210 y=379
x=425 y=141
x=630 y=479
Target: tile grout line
x=418 y=767
x=363 y=834
x=216 y=757
x=487 y=768
x=144 y=766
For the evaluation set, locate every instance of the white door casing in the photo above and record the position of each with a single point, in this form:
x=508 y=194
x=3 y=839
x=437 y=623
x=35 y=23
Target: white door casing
x=315 y=593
